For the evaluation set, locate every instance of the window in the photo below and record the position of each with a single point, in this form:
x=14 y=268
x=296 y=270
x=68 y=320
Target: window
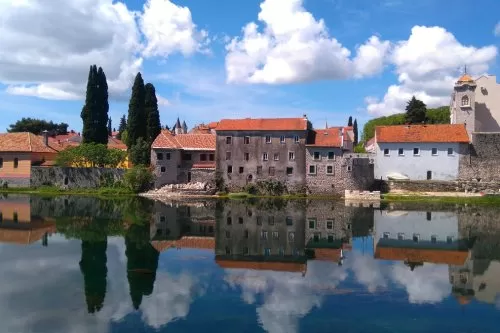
x=163 y=169
x=240 y=220
x=316 y=155
x=167 y=155
x=329 y=224
x=288 y=221
x=416 y=238
x=465 y=101
x=16 y=162
x=401 y=152
x=349 y=168
x=228 y=155
x=203 y=157
x=312 y=169
x=429 y=175
x=245 y=250
x=267 y=251
x=296 y=139
x=276 y=156
x=211 y=157
x=387 y=235
x=15 y=217
x=1 y=163
x=159 y=156
x=316 y=238
x=268 y=139
x=270 y=220
x=229 y=169
x=450 y=151
x=229 y=140
x=276 y=235
x=416 y=151
x=1 y=217
x=259 y=170
x=263 y=234
x=246 y=234
x=434 y=151
x=259 y=220
x=247 y=156
x=401 y=236
x=386 y=152
x=265 y=157
x=331 y=155
x=330 y=238
x=291 y=156
x=282 y=139
x=271 y=171
x=229 y=220
x=186 y=157
x=312 y=223
x=228 y=235
x=433 y=239
x=329 y=169
x=289 y=171
x=291 y=236
x=241 y=169
x=429 y=216
x=449 y=239
x=246 y=140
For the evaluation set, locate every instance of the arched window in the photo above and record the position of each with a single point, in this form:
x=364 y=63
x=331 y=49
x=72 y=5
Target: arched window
x=465 y=101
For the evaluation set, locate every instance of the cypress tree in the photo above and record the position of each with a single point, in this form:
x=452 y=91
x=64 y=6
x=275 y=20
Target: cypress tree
x=94 y=270
x=110 y=129
x=349 y=122
x=355 y=130
x=122 y=127
x=95 y=111
x=101 y=135
x=415 y=111
x=151 y=109
x=89 y=108
x=137 y=121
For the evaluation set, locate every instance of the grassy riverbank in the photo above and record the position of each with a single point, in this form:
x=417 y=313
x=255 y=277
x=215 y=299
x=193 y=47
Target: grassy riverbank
x=444 y=199
x=49 y=191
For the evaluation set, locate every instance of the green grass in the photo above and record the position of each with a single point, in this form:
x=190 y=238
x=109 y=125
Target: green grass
x=49 y=190
x=483 y=200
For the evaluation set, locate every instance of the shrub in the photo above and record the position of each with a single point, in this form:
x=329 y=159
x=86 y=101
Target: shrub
x=90 y=155
x=140 y=153
x=138 y=179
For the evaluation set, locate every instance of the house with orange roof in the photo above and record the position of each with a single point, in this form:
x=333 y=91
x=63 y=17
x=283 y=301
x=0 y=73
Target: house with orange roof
x=183 y=157
x=420 y=152
x=20 y=151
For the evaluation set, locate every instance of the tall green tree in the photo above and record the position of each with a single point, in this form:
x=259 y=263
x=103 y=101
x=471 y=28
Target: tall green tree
x=140 y=152
x=415 y=111
x=137 y=120
x=110 y=129
x=152 y=112
x=349 y=122
x=37 y=126
x=94 y=270
x=355 y=130
x=122 y=127
x=95 y=110
x=103 y=108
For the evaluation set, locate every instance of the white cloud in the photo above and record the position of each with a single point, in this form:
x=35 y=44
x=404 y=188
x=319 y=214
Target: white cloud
x=427 y=65
x=47 y=50
x=162 y=101
x=496 y=31
x=295 y=47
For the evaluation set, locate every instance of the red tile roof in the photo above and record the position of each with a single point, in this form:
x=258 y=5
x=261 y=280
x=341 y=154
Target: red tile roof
x=422 y=133
x=329 y=137
x=26 y=142
x=116 y=144
x=167 y=140
x=25 y=236
x=264 y=124
x=448 y=257
x=262 y=265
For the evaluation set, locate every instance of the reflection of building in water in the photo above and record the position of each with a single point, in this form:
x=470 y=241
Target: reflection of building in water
x=183 y=226
x=18 y=226
x=263 y=238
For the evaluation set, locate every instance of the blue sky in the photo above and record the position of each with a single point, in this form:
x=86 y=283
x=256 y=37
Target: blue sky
x=325 y=58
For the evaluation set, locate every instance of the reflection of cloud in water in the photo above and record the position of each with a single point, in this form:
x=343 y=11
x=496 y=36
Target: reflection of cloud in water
x=367 y=271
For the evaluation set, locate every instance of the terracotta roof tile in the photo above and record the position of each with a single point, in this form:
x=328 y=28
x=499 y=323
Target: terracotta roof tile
x=329 y=137
x=262 y=265
x=422 y=255
x=26 y=142
x=263 y=124
x=422 y=133
x=167 y=140
x=207 y=243
x=213 y=124
x=116 y=144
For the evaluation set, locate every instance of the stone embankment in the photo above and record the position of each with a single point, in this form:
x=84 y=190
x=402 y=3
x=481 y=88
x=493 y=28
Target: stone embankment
x=182 y=190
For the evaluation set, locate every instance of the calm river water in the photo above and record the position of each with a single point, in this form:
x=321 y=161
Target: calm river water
x=80 y=264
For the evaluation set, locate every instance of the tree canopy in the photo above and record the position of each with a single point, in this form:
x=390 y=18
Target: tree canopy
x=122 y=127
x=140 y=153
x=37 y=126
x=415 y=111
x=137 y=118
x=355 y=130
x=95 y=110
x=91 y=155
x=152 y=112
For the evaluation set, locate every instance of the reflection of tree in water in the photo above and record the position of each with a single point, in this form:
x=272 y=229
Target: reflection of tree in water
x=93 y=267
x=142 y=262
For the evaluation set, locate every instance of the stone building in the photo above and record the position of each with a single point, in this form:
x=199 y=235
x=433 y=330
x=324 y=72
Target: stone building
x=183 y=158
x=250 y=150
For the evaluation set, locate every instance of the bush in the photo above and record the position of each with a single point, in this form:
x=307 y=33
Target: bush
x=140 y=153
x=91 y=155
x=138 y=179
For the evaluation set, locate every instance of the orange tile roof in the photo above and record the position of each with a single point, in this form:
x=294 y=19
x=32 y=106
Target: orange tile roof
x=26 y=142
x=262 y=265
x=329 y=137
x=25 y=236
x=422 y=133
x=448 y=257
x=116 y=144
x=213 y=124
x=210 y=165
x=263 y=124
x=207 y=243
x=167 y=140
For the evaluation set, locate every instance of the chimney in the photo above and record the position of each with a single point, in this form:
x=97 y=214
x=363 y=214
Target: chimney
x=45 y=137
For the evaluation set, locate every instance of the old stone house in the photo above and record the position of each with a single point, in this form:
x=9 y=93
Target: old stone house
x=183 y=158
x=250 y=150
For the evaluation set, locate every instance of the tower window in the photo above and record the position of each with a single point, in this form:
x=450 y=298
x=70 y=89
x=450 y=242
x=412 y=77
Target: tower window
x=465 y=101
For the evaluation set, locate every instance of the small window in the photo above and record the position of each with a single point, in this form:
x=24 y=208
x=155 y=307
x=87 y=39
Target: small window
x=316 y=238
x=259 y=220
x=228 y=250
x=1 y=163
x=312 y=169
x=429 y=175
x=329 y=169
x=1 y=217
x=229 y=169
x=203 y=157
x=330 y=238
x=240 y=220
x=349 y=168
x=263 y=234
x=229 y=220
x=316 y=155
x=259 y=170
x=245 y=250
x=246 y=140
x=246 y=234
x=416 y=238
x=401 y=236
x=401 y=152
x=312 y=223
x=247 y=156
x=291 y=236
x=450 y=151
x=229 y=140
x=270 y=220
x=276 y=156
x=416 y=151
x=15 y=217
x=267 y=251
x=429 y=216
x=329 y=224
x=186 y=157
x=163 y=169
x=241 y=169
x=167 y=155
x=449 y=239
x=288 y=221
x=265 y=157
x=291 y=156
x=387 y=152
x=296 y=139
x=331 y=155
x=211 y=157
x=387 y=235
x=282 y=139
x=272 y=171
x=268 y=139
x=276 y=235
x=465 y=101
x=159 y=156
x=228 y=155
x=433 y=239
x=162 y=219
x=16 y=162
x=228 y=235
x=434 y=151
x=289 y=171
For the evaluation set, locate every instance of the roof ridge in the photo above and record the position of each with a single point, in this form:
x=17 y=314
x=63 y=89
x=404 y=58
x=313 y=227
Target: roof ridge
x=29 y=142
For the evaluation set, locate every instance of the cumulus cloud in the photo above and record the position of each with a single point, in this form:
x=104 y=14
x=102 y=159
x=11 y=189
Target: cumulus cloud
x=47 y=50
x=296 y=47
x=496 y=31
x=427 y=65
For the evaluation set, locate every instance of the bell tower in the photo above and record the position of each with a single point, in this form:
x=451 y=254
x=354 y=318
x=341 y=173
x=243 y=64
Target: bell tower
x=462 y=106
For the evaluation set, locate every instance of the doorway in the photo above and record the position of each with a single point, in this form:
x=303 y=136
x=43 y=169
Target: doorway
x=189 y=177
x=429 y=175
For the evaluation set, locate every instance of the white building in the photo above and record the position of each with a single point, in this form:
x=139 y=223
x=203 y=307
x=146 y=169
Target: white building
x=419 y=152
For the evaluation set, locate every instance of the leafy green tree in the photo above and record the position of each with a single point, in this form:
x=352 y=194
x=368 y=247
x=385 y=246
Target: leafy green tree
x=359 y=148
x=91 y=155
x=439 y=115
x=122 y=127
x=95 y=110
x=124 y=136
x=152 y=112
x=139 y=178
x=349 y=122
x=415 y=111
x=37 y=126
x=355 y=130
x=140 y=152
x=94 y=270
x=137 y=120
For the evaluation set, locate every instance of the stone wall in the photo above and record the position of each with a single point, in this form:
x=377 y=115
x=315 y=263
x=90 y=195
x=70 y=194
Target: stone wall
x=481 y=160
x=473 y=186
x=68 y=178
x=14 y=181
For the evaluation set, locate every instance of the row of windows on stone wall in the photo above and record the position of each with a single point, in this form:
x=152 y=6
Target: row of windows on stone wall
x=264 y=235
x=186 y=157
x=15 y=217
x=16 y=163
x=416 y=237
x=270 y=219
x=330 y=170
x=265 y=156
x=267 y=139
x=317 y=155
x=259 y=171
x=266 y=251
x=416 y=152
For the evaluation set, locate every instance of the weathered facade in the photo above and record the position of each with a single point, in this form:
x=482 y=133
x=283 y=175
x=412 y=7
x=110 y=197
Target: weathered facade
x=481 y=160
